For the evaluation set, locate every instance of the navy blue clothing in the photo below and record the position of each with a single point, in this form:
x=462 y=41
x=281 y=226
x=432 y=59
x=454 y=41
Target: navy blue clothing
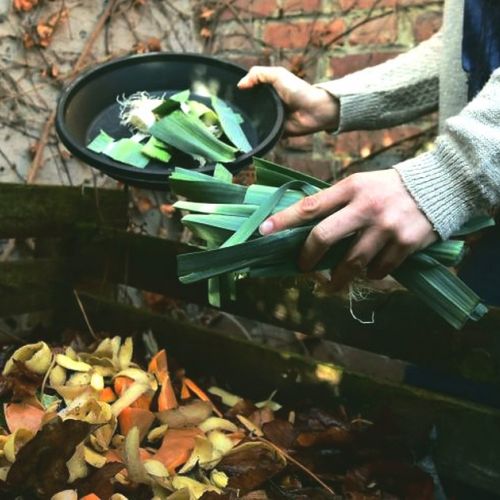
x=481 y=42
x=480 y=57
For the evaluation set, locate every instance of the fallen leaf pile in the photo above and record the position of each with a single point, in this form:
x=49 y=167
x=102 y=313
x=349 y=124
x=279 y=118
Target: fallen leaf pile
x=93 y=424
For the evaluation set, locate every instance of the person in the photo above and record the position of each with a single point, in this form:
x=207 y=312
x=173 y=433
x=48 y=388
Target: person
x=400 y=210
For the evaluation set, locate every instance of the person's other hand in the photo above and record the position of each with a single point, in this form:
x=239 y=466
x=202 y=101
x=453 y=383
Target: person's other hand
x=310 y=109
x=376 y=207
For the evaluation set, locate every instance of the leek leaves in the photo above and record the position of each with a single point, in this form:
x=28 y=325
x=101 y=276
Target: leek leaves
x=227 y=217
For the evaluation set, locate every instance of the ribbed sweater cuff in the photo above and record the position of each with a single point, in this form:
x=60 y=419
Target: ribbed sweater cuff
x=439 y=183
x=357 y=111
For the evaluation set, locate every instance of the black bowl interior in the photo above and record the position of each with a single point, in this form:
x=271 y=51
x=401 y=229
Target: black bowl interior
x=90 y=104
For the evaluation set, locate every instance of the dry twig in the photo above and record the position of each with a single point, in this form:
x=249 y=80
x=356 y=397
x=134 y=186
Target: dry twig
x=38 y=158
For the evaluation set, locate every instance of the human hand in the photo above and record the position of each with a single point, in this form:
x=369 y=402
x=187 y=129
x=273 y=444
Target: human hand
x=310 y=109
x=374 y=205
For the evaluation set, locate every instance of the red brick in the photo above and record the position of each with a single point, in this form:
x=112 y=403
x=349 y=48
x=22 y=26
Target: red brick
x=298 y=35
x=378 y=31
x=247 y=61
x=301 y=6
x=347 y=64
x=425 y=25
x=303 y=67
x=235 y=41
x=251 y=9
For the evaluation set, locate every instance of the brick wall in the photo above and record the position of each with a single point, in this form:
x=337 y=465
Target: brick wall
x=321 y=40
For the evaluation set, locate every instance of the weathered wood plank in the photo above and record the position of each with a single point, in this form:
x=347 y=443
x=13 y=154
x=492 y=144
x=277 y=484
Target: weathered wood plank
x=33 y=210
x=404 y=328
x=467 y=435
x=32 y=285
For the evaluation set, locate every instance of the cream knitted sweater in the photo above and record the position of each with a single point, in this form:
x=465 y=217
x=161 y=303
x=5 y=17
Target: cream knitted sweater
x=461 y=176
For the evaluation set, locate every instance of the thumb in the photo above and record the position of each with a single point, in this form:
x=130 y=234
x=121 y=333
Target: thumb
x=261 y=74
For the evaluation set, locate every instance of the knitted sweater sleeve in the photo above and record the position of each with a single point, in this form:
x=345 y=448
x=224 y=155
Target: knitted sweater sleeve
x=461 y=176
x=391 y=93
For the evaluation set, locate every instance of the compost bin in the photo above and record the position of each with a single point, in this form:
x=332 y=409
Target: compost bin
x=434 y=379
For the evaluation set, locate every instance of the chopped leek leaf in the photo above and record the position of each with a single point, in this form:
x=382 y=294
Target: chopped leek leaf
x=230 y=125
x=157 y=150
x=223 y=174
x=233 y=209
x=127 y=151
x=171 y=103
x=101 y=142
x=189 y=134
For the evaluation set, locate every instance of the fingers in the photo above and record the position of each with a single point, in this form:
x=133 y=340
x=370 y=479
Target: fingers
x=396 y=251
x=262 y=74
x=364 y=250
x=326 y=233
x=309 y=208
x=389 y=259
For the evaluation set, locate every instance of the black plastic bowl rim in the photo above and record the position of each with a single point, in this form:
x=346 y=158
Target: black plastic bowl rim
x=132 y=175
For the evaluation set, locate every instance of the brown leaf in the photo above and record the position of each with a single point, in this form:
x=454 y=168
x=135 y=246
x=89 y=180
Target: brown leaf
x=206 y=33
x=250 y=465
x=25 y=5
x=20 y=384
x=279 y=432
x=206 y=14
x=243 y=407
x=167 y=209
x=262 y=416
x=143 y=204
x=189 y=415
x=40 y=465
x=334 y=436
x=99 y=481
x=153 y=44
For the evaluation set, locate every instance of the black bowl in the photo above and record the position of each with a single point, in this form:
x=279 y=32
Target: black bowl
x=90 y=104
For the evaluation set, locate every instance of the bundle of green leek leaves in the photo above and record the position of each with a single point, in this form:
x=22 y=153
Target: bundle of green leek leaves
x=227 y=217
x=162 y=126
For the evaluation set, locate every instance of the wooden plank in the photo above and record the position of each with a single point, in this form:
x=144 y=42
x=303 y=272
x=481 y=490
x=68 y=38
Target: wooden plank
x=467 y=435
x=404 y=327
x=32 y=285
x=28 y=211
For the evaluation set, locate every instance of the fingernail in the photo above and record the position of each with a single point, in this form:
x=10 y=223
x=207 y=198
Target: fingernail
x=266 y=227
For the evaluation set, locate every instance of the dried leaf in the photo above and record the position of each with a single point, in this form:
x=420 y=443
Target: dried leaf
x=41 y=464
x=25 y=5
x=189 y=415
x=279 y=432
x=250 y=465
x=99 y=481
x=20 y=383
x=334 y=436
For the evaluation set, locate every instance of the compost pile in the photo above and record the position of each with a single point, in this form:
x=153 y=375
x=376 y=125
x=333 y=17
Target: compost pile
x=93 y=423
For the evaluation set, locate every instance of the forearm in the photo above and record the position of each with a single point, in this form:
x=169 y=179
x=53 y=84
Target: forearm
x=390 y=93
x=461 y=177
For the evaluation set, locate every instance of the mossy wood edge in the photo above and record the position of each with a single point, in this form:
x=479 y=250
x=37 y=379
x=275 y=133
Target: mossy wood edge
x=404 y=327
x=32 y=210
x=467 y=435
x=32 y=285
